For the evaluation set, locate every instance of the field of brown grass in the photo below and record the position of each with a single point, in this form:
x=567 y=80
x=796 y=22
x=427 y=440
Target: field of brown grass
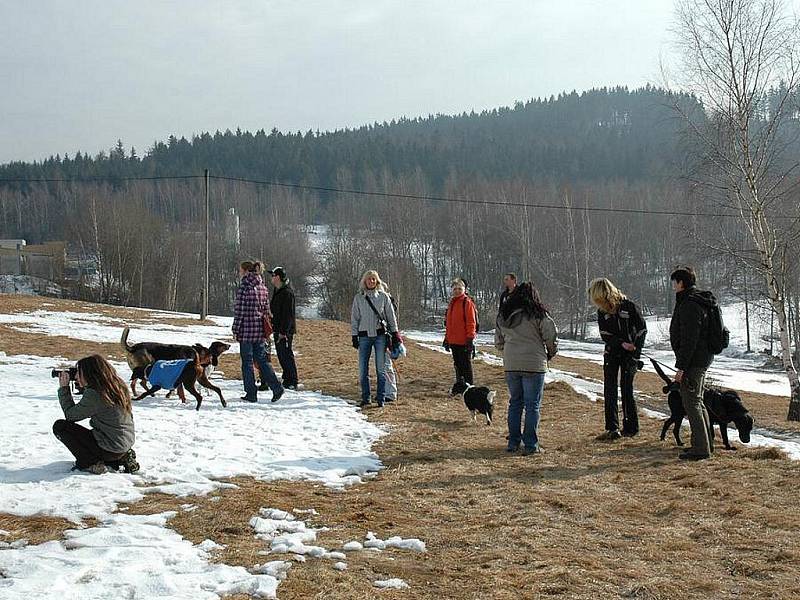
x=585 y=519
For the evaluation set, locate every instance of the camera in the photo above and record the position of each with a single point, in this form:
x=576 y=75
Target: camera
x=73 y=372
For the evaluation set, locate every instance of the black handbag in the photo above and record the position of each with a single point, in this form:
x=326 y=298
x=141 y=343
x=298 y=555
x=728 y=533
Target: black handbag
x=381 y=322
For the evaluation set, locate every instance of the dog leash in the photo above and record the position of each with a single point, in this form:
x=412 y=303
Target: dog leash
x=653 y=360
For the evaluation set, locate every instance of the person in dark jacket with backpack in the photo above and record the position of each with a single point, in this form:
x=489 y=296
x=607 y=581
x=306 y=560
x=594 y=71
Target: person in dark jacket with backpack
x=623 y=330
x=688 y=336
x=282 y=307
x=460 y=328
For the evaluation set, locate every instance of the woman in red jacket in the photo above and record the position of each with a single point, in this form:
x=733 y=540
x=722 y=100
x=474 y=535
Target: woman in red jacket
x=460 y=327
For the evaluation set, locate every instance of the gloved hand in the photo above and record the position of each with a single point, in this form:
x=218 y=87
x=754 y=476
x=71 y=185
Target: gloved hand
x=446 y=346
x=355 y=342
x=396 y=339
x=471 y=348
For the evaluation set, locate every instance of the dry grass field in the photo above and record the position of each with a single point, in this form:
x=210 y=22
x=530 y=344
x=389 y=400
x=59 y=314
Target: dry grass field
x=585 y=519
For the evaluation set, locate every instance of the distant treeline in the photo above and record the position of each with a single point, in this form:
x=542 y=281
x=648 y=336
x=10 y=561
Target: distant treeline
x=606 y=148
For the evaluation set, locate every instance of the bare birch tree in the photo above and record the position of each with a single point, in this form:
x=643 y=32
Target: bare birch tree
x=740 y=57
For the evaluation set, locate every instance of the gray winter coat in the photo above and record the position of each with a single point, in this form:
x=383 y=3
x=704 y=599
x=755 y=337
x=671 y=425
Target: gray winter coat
x=527 y=343
x=112 y=427
x=364 y=321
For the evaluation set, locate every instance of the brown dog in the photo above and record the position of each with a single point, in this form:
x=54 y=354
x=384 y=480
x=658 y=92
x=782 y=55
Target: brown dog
x=192 y=372
x=143 y=354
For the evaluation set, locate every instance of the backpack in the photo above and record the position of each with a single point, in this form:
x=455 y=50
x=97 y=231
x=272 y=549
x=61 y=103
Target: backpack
x=477 y=321
x=718 y=336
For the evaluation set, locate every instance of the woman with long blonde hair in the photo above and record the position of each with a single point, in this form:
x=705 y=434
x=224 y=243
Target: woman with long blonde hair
x=107 y=404
x=623 y=330
x=372 y=320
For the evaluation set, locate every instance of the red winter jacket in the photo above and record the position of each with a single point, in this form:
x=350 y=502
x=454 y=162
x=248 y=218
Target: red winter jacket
x=460 y=322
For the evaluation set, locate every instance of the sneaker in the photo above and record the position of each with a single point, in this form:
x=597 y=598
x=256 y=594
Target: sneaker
x=381 y=403
x=389 y=399
x=534 y=450
x=364 y=403
x=264 y=387
x=511 y=449
x=249 y=398
x=277 y=395
x=97 y=468
x=129 y=464
x=629 y=433
x=609 y=436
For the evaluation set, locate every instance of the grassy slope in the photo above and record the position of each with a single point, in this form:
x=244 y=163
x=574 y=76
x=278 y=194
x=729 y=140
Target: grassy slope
x=583 y=520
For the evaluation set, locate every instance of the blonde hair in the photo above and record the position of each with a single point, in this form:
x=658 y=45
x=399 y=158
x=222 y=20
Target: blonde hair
x=605 y=295
x=367 y=274
x=458 y=282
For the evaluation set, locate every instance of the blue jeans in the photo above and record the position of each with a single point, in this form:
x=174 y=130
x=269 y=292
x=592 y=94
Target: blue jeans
x=525 y=390
x=248 y=351
x=365 y=348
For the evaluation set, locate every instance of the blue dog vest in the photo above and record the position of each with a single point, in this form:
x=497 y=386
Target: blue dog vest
x=165 y=373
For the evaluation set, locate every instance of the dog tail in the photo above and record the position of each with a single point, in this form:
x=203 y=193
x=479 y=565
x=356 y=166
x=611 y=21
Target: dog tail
x=124 y=340
x=490 y=397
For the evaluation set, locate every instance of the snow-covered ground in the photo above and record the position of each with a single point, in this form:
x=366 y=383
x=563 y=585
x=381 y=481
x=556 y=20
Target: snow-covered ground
x=306 y=435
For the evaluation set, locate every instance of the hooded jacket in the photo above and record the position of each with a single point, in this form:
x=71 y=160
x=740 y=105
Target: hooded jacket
x=688 y=331
x=527 y=342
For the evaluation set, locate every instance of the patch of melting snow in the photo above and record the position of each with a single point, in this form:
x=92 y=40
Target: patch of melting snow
x=127 y=556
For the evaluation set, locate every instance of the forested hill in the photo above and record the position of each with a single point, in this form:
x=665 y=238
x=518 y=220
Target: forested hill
x=596 y=135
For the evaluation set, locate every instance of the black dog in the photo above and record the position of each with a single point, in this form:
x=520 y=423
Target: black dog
x=477 y=399
x=193 y=372
x=723 y=407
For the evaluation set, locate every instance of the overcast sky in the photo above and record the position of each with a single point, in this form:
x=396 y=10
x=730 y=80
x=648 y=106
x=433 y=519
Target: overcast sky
x=78 y=74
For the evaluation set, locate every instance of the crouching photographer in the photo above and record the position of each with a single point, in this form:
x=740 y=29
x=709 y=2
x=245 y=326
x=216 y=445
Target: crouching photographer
x=107 y=404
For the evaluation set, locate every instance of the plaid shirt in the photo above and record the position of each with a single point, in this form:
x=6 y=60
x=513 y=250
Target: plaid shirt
x=252 y=300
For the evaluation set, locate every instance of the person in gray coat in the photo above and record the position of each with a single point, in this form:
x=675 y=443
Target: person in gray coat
x=528 y=338
x=107 y=404
x=372 y=320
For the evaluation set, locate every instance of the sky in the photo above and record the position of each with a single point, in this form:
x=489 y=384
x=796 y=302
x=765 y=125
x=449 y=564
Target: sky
x=80 y=75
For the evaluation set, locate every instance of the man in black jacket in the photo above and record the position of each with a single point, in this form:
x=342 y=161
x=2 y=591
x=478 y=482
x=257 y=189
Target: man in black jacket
x=281 y=305
x=688 y=336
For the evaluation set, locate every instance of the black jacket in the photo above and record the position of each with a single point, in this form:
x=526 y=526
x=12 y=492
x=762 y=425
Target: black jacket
x=626 y=325
x=688 y=332
x=281 y=305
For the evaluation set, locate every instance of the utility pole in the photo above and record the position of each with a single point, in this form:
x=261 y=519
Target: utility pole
x=204 y=303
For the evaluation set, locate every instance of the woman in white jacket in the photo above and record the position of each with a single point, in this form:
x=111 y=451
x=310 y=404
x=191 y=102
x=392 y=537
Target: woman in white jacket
x=528 y=338
x=372 y=320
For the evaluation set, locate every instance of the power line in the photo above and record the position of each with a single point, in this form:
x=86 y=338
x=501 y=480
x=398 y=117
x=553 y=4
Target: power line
x=640 y=211
x=375 y=194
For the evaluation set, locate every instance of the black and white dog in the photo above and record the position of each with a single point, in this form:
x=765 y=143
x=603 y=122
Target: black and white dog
x=477 y=399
